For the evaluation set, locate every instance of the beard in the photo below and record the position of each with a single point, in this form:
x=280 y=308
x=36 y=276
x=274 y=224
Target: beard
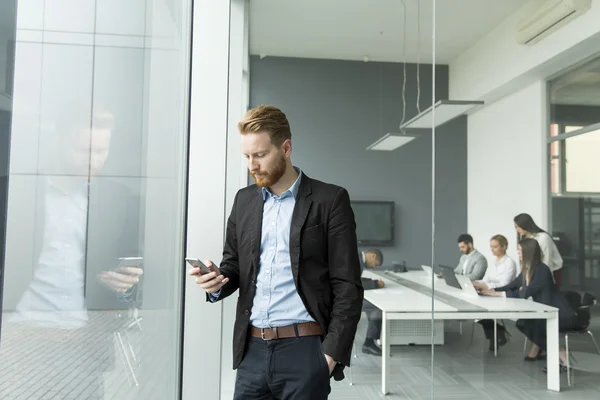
x=270 y=177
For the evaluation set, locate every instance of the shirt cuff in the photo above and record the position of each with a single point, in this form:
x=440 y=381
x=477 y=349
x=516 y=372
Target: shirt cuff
x=214 y=296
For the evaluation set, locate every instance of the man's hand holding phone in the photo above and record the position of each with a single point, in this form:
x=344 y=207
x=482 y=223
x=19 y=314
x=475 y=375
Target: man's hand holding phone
x=125 y=276
x=207 y=275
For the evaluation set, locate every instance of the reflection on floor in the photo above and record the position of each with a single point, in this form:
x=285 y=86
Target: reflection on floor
x=33 y=367
x=466 y=371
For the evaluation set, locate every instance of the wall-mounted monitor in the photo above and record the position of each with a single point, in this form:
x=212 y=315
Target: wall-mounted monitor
x=375 y=222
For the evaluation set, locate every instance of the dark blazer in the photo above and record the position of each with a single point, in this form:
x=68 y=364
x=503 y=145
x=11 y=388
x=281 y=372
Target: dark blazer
x=367 y=283
x=542 y=289
x=113 y=231
x=325 y=266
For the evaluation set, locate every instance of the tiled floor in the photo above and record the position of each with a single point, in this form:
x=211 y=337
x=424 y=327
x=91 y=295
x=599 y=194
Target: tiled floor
x=465 y=371
x=461 y=370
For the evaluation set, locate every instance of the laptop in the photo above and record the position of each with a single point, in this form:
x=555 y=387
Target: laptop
x=450 y=276
x=458 y=281
x=467 y=285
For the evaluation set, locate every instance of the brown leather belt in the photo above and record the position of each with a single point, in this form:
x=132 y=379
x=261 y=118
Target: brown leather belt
x=284 y=332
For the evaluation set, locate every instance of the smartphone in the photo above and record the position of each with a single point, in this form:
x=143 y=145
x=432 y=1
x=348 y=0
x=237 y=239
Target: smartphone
x=195 y=262
x=137 y=262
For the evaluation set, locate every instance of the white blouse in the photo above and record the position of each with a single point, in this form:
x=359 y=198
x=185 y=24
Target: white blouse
x=550 y=255
x=500 y=273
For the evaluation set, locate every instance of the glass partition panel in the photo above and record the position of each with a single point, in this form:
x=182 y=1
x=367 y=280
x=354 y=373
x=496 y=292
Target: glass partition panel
x=574 y=217
x=92 y=293
x=490 y=167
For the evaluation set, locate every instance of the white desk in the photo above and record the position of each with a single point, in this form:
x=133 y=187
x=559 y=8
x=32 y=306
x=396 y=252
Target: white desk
x=399 y=301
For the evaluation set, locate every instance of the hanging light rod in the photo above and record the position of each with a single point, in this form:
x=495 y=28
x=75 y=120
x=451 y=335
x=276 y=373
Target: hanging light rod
x=445 y=110
x=391 y=141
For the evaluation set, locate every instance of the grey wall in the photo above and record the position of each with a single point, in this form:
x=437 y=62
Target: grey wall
x=337 y=108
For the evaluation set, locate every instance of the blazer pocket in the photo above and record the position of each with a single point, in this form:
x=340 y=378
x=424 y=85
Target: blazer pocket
x=314 y=232
x=312 y=241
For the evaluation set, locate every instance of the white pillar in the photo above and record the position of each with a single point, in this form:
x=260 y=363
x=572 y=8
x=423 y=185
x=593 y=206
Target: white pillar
x=237 y=174
x=218 y=99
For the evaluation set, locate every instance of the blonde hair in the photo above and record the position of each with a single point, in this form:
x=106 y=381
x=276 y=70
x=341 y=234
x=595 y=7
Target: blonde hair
x=502 y=241
x=267 y=119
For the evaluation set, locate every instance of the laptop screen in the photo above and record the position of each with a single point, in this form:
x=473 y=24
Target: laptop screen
x=450 y=276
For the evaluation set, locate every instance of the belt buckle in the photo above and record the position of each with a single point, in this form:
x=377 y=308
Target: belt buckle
x=262 y=334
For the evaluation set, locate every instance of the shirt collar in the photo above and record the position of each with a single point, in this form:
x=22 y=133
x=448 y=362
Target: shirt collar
x=501 y=260
x=292 y=191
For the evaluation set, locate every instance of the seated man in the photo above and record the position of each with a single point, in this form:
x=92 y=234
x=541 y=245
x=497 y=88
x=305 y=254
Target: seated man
x=472 y=263
x=372 y=259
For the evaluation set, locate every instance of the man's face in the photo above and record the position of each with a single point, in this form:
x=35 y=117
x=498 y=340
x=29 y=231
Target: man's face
x=465 y=248
x=266 y=162
x=86 y=153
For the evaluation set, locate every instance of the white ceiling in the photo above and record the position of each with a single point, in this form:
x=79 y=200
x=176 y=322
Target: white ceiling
x=353 y=29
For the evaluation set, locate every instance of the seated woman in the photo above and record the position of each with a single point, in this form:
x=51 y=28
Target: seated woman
x=535 y=281
x=499 y=273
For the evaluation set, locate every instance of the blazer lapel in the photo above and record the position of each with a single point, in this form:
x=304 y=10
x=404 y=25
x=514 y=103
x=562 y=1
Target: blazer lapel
x=301 y=209
x=255 y=211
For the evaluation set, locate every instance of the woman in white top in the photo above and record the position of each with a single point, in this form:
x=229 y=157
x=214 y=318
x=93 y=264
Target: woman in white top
x=499 y=273
x=526 y=228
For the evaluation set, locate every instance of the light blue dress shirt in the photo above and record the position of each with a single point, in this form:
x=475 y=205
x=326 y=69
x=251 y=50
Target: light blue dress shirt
x=276 y=301
x=55 y=295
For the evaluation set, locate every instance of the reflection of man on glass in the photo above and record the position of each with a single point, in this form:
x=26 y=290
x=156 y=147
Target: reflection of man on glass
x=86 y=223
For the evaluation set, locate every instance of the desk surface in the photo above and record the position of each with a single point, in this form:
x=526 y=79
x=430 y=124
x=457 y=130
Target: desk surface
x=410 y=292
x=410 y=296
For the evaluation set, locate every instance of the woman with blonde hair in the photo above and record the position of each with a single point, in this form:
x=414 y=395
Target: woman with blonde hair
x=499 y=273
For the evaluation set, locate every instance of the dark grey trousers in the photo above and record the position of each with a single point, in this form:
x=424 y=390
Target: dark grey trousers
x=374 y=317
x=286 y=369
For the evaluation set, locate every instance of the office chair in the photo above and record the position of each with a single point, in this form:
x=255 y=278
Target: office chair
x=582 y=305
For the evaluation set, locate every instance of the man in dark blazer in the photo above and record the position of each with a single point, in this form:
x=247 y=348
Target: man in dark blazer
x=291 y=250
x=370 y=259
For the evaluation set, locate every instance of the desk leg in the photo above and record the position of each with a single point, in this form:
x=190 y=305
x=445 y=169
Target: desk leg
x=495 y=339
x=385 y=353
x=552 y=357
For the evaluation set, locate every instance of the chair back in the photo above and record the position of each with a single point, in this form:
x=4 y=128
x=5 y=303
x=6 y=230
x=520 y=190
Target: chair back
x=581 y=304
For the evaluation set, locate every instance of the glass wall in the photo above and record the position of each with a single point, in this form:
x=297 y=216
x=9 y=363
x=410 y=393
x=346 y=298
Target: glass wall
x=93 y=276
x=575 y=181
x=435 y=198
